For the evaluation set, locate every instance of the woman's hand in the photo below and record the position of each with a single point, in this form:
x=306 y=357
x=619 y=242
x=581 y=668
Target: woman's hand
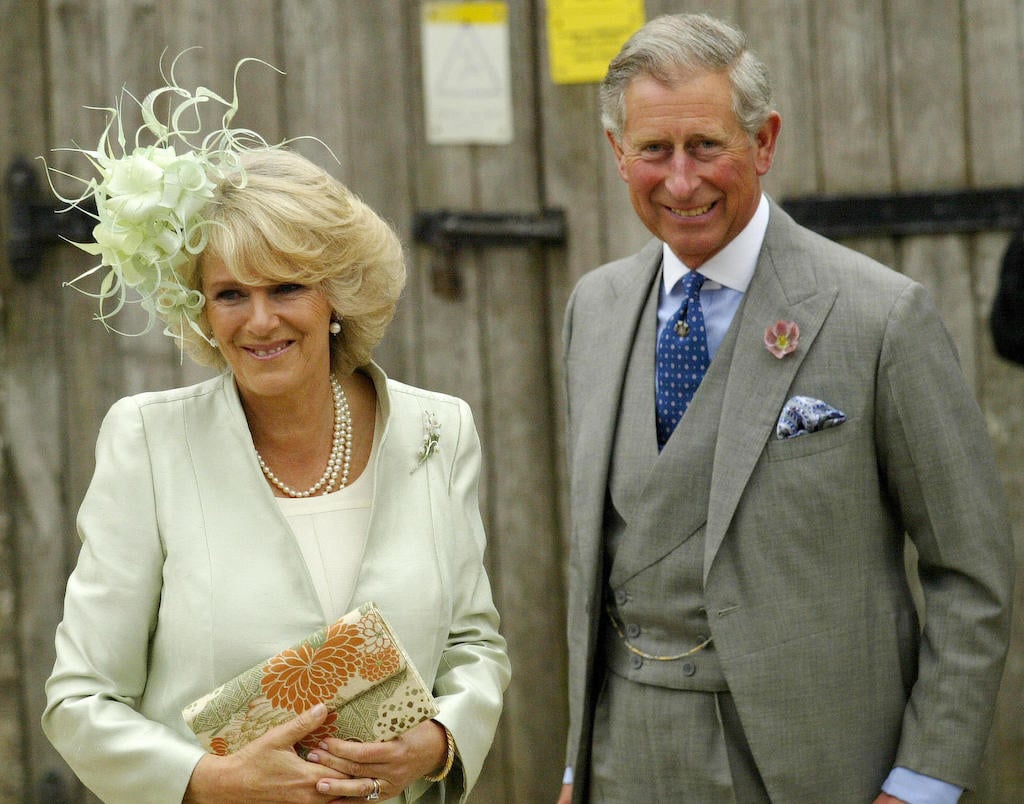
x=395 y=764
x=267 y=769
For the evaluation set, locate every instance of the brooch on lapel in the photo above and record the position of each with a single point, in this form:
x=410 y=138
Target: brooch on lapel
x=431 y=435
x=782 y=338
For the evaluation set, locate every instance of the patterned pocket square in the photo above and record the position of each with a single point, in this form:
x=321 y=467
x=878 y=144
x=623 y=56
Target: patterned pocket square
x=804 y=414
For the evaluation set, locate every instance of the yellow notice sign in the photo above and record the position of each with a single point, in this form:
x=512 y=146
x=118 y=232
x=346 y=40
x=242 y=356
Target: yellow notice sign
x=466 y=13
x=584 y=35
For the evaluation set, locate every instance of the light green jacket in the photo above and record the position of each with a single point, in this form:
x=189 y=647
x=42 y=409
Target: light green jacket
x=189 y=574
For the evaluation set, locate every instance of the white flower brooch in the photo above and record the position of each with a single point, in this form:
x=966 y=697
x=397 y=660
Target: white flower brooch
x=431 y=436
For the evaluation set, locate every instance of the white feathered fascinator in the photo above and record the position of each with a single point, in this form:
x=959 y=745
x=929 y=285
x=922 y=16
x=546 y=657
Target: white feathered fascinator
x=149 y=197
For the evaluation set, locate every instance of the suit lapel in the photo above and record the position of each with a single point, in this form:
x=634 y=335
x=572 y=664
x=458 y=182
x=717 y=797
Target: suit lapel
x=785 y=286
x=598 y=395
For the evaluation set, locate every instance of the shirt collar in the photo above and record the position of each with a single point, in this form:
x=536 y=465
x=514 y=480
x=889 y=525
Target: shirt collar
x=733 y=266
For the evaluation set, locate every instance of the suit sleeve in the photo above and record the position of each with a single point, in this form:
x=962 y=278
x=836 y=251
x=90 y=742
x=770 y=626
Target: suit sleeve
x=110 y=612
x=474 y=669
x=576 y=616
x=936 y=455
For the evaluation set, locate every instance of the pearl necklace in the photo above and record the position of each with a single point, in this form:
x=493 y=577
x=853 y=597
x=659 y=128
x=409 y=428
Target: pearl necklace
x=341 y=451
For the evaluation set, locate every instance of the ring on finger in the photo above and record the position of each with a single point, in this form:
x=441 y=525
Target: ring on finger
x=375 y=794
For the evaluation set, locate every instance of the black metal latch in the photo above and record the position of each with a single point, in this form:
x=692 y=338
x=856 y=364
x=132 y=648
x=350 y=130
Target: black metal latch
x=447 y=231
x=33 y=224
x=930 y=212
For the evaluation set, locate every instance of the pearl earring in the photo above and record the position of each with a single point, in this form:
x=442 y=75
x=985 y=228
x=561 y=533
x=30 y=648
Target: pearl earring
x=335 y=327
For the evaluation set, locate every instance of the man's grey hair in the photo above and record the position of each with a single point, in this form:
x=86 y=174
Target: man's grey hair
x=684 y=44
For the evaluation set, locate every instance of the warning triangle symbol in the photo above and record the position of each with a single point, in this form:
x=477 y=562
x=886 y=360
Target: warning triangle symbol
x=467 y=71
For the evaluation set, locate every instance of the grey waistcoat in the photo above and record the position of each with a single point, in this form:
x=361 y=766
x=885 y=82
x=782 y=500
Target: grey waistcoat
x=659 y=608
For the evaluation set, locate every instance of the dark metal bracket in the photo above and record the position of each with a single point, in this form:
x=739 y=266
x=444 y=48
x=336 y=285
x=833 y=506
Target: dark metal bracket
x=920 y=213
x=33 y=224
x=445 y=228
x=447 y=231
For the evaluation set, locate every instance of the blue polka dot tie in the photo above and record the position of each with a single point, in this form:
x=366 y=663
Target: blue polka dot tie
x=682 y=358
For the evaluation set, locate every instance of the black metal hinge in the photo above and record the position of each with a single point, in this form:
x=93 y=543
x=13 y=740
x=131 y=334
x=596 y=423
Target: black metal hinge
x=918 y=213
x=33 y=224
x=447 y=231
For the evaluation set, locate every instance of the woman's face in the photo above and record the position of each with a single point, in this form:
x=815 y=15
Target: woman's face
x=274 y=336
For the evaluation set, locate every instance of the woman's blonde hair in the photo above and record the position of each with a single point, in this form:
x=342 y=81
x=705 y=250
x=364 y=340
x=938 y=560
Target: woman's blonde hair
x=289 y=220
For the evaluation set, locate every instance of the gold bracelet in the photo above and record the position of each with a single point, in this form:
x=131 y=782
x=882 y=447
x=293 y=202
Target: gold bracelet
x=449 y=760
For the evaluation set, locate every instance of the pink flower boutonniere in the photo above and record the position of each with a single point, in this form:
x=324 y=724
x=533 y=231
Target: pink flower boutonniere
x=781 y=338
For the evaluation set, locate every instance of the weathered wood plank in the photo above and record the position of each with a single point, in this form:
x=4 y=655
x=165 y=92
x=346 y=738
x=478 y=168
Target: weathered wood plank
x=994 y=92
x=851 y=76
x=573 y=153
x=251 y=25
x=151 y=361
x=727 y=10
x=519 y=431
x=780 y=33
x=334 y=86
x=91 y=377
x=993 y=56
x=443 y=177
x=23 y=656
x=451 y=357
x=926 y=92
x=37 y=420
x=926 y=95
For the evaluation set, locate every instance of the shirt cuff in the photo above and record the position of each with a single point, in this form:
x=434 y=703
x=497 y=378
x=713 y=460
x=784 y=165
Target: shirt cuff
x=567 y=776
x=916 y=788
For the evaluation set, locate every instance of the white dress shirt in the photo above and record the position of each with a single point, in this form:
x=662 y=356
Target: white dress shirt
x=727 y=276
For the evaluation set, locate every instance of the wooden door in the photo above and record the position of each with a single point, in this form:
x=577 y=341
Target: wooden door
x=352 y=78
x=876 y=96
x=491 y=344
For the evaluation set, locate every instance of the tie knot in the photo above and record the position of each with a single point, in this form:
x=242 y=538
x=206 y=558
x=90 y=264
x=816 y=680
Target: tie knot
x=691 y=284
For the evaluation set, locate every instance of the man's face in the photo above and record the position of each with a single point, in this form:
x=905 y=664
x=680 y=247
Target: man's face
x=693 y=172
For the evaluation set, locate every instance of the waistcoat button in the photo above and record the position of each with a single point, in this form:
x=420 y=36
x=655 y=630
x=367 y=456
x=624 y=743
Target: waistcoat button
x=688 y=668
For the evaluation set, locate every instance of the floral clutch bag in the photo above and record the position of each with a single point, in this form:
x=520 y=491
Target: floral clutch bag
x=355 y=666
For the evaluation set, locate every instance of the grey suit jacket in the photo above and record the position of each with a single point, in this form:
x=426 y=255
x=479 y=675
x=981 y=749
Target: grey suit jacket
x=804 y=582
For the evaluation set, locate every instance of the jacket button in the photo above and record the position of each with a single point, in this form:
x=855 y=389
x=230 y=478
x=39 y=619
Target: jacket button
x=632 y=630
x=636 y=662
x=621 y=597
x=688 y=668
